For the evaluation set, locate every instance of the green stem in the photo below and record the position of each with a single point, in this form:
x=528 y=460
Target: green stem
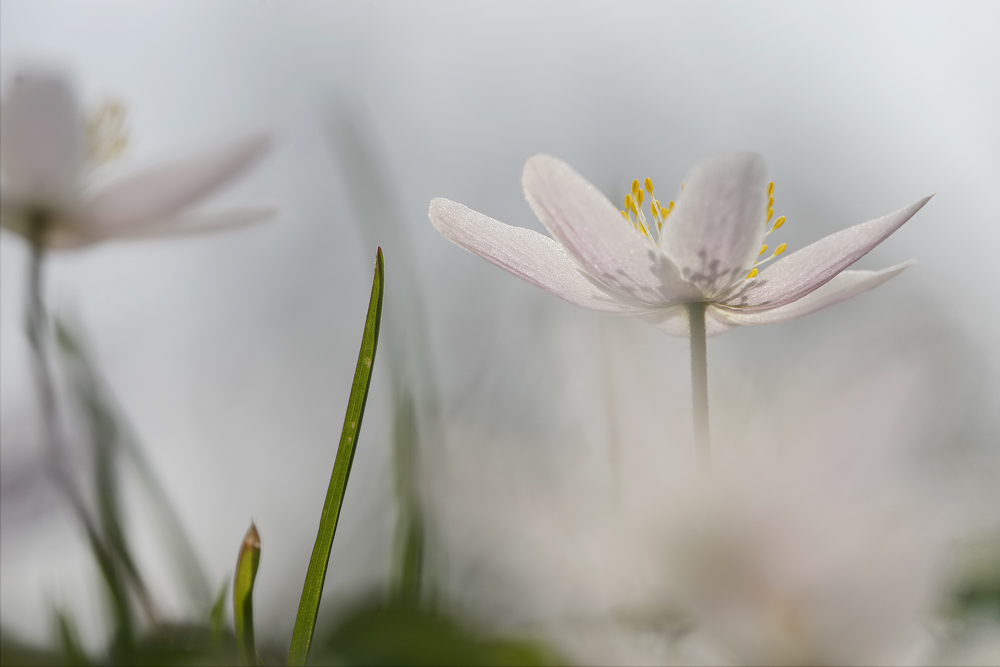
x=57 y=453
x=699 y=380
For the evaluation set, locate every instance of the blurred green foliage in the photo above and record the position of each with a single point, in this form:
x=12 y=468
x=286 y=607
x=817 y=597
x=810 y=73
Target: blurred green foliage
x=404 y=634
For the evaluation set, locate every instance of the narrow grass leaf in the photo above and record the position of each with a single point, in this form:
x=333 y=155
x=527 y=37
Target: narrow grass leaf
x=312 y=590
x=246 y=572
x=216 y=614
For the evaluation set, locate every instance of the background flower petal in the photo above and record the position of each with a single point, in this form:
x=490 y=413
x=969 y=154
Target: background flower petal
x=589 y=226
x=524 y=252
x=198 y=223
x=843 y=286
x=41 y=139
x=718 y=223
x=152 y=196
x=805 y=270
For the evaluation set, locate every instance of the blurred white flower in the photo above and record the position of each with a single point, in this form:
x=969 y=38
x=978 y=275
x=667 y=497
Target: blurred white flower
x=47 y=153
x=707 y=248
x=825 y=533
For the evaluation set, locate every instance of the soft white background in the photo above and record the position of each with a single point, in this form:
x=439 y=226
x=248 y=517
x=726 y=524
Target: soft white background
x=232 y=355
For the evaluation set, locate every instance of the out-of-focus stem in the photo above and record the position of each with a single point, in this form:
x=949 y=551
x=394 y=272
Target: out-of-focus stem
x=56 y=451
x=699 y=380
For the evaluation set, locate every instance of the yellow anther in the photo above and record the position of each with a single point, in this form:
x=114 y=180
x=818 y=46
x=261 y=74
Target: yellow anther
x=753 y=272
x=763 y=249
x=628 y=202
x=770 y=214
x=106 y=131
x=780 y=249
x=778 y=223
x=649 y=185
x=624 y=214
x=770 y=189
x=635 y=185
x=770 y=202
x=659 y=225
x=639 y=196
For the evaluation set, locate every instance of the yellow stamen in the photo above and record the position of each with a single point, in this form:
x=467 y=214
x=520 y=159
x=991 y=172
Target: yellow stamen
x=649 y=185
x=107 y=133
x=639 y=196
x=624 y=214
x=753 y=272
x=770 y=202
x=628 y=203
x=770 y=189
x=763 y=249
x=770 y=214
x=635 y=185
x=778 y=223
x=780 y=249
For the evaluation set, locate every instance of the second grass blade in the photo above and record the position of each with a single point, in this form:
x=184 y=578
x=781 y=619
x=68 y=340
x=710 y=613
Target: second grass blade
x=312 y=590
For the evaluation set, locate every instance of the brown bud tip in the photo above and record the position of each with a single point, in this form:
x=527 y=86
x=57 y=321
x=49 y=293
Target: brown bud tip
x=252 y=539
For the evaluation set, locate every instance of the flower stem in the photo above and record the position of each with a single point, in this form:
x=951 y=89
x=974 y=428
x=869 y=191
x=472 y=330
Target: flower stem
x=57 y=452
x=699 y=380
x=38 y=335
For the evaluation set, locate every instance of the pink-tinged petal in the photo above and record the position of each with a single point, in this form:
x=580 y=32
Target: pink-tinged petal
x=715 y=231
x=162 y=192
x=798 y=274
x=592 y=230
x=70 y=234
x=41 y=139
x=674 y=321
x=840 y=288
x=524 y=252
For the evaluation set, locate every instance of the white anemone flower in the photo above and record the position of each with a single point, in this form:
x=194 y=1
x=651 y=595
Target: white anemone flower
x=707 y=248
x=49 y=152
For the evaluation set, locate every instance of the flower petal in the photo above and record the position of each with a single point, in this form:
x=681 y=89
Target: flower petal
x=591 y=229
x=524 y=252
x=842 y=287
x=41 y=139
x=718 y=223
x=70 y=234
x=674 y=321
x=162 y=192
x=805 y=270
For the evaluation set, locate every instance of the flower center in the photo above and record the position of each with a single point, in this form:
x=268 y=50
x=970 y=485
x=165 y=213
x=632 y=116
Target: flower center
x=107 y=134
x=774 y=227
x=635 y=215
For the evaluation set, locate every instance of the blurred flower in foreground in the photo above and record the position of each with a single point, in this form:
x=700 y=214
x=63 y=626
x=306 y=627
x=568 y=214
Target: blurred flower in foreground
x=828 y=536
x=704 y=249
x=48 y=151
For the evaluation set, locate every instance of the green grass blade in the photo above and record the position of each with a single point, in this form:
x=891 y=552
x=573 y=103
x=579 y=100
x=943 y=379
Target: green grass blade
x=216 y=615
x=312 y=590
x=246 y=572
